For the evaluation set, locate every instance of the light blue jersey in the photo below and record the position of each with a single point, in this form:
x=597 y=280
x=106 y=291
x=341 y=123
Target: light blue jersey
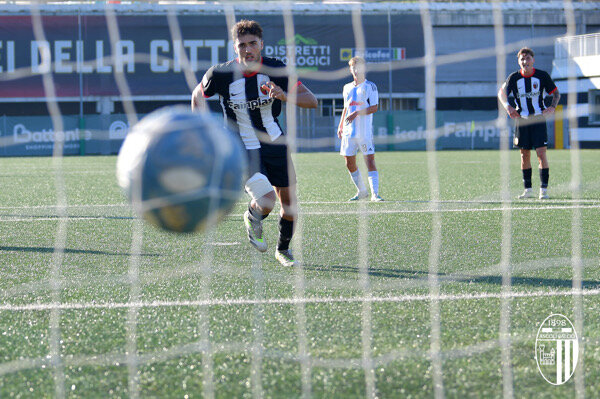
x=356 y=98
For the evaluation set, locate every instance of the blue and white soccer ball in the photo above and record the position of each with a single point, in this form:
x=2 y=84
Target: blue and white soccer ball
x=182 y=171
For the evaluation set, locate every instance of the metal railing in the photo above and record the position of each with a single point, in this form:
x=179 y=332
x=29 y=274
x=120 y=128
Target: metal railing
x=577 y=46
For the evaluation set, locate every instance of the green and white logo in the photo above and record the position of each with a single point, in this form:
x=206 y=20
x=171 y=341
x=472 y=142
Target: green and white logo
x=308 y=53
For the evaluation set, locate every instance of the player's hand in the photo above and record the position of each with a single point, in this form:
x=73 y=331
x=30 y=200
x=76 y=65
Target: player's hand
x=351 y=117
x=273 y=91
x=512 y=112
x=339 y=133
x=549 y=111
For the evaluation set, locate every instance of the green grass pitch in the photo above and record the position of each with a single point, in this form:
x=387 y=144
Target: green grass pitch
x=210 y=315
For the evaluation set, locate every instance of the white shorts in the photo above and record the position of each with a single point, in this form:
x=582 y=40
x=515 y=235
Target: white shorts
x=351 y=145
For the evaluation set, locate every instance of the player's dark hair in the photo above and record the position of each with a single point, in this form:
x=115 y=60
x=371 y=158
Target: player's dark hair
x=525 y=50
x=246 y=27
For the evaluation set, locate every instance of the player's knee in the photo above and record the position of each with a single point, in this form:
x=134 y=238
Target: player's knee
x=266 y=203
x=371 y=164
x=261 y=191
x=351 y=164
x=289 y=211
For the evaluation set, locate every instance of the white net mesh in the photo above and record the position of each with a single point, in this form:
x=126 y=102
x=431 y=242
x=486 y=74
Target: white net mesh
x=391 y=299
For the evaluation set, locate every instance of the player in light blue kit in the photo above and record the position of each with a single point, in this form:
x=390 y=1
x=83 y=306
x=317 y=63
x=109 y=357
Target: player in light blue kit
x=356 y=128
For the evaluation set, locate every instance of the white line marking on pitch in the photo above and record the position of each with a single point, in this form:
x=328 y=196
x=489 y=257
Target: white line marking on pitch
x=532 y=202
x=70 y=218
x=491 y=201
x=380 y=211
x=291 y=301
x=68 y=206
x=372 y=211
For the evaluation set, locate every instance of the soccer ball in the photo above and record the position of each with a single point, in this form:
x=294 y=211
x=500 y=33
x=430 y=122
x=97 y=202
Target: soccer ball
x=182 y=171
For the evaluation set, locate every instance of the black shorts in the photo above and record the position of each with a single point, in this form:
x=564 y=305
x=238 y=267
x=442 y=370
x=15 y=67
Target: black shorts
x=531 y=133
x=277 y=167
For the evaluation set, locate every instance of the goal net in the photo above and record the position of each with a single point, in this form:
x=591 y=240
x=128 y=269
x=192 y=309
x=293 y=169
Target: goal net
x=449 y=287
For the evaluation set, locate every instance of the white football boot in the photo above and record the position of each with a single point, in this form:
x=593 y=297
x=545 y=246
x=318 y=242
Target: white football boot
x=254 y=230
x=285 y=257
x=359 y=195
x=528 y=193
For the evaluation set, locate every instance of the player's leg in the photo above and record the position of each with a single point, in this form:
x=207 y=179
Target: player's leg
x=541 y=141
x=368 y=150
x=348 y=149
x=525 y=159
x=263 y=196
x=526 y=172
x=351 y=163
x=356 y=177
x=525 y=145
x=282 y=175
x=262 y=201
x=542 y=157
x=287 y=219
x=544 y=172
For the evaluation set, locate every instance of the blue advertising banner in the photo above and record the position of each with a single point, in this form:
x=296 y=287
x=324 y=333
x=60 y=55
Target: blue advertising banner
x=104 y=134
x=35 y=135
x=152 y=63
x=458 y=130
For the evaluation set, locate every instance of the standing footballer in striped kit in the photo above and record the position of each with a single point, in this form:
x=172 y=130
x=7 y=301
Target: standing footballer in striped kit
x=361 y=101
x=251 y=89
x=528 y=85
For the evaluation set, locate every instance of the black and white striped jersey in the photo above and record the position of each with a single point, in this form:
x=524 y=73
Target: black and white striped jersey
x=529 y=91
x=248 y=111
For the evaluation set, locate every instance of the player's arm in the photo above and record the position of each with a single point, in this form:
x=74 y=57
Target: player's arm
x=304 y=97
x=340 y=128
x=503 y=97
x=198 y=100
x=555 y=99
x=365 y=111
x=205 y=89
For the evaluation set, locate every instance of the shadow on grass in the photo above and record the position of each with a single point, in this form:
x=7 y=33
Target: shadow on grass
x=68 y=251
x=373 y=271
x=419 y=275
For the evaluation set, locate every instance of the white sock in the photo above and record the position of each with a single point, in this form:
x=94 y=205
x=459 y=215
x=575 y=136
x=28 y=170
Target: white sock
x=358 y=181
x=374 y=182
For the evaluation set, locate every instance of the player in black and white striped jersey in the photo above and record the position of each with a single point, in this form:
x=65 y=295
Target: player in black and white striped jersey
x=251 y=90
x=528 y=85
